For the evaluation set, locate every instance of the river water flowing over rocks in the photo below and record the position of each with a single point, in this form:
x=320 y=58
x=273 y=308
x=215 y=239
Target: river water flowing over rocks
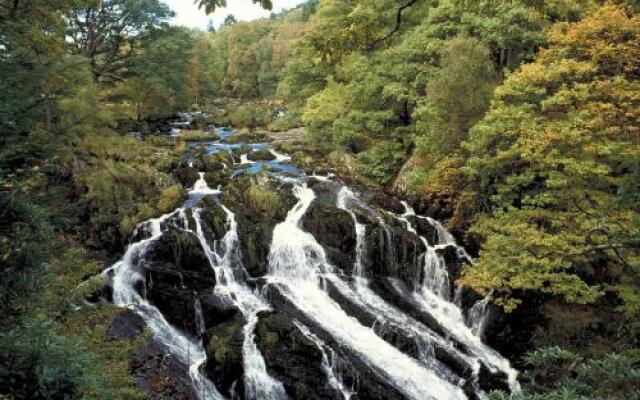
x=271 y=284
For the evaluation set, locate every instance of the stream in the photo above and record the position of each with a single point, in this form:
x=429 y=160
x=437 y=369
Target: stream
x=346 y=299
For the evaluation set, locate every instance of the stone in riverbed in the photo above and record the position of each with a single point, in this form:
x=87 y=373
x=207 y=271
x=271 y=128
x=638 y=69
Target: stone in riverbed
x=332 y=227
x=261 y=155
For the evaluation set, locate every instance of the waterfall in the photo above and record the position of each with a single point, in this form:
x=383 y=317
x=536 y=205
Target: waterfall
x=127 y=274
x=229 y=275
x=296 y=264
x=331 y=364
x=422 y=346
x=430 y=296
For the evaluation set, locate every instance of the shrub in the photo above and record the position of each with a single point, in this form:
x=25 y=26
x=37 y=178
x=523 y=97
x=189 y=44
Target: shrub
x=171 y=198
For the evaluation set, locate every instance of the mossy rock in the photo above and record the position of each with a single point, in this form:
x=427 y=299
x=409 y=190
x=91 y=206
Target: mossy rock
x=247 y=137
x=223 y=345
x=238 y=152
x=187 y=176
x=213 y=218
x=261 y=155
x=258 y=205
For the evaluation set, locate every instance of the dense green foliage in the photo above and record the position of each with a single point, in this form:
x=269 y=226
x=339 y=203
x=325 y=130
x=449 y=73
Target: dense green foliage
x=557 y=374
x=557 y=162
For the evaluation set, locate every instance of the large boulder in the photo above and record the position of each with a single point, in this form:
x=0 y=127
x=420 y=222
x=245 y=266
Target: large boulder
x=176 y=272
x=261 y=155
x=332 y=227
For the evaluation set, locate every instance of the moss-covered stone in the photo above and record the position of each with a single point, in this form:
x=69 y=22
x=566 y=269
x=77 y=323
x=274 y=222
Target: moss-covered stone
x=261 y=155
x=258 y=205
x=223 y=345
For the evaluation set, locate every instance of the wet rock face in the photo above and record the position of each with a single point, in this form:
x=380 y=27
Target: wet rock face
x=176 y=272
x=288 y=342
x=292 y=358
x=259 y=205
x=425 y=229
x=394 y=252
x=223 y=344
x=333 y=228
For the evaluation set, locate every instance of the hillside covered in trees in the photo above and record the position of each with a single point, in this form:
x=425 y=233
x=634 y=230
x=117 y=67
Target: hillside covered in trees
x=514 y=122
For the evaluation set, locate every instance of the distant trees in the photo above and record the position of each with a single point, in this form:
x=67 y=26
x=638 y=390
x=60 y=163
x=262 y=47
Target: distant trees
x=247 y=59
x=211 y=5
x=229 y=20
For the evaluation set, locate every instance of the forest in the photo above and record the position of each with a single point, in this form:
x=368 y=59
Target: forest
x=515 y=123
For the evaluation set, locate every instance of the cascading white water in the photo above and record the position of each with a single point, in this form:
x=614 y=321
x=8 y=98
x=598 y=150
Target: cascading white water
x=428 y=298
x=127 y=273
x=299 y=269
x=201 y=188
x=296 y=264
x=228 y=267
x=344 y=196
x=330 y=363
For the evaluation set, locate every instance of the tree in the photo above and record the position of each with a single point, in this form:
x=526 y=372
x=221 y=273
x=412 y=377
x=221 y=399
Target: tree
x=556 y=162
x=229 y=20
x=211 y=5
x=456 y=98
x=211 y=27
x=161 y=84
x=108 y=32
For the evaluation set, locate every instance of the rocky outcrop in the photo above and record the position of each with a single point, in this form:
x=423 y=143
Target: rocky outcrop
x=261 y=155
x=259 y=205
x=292 y=358
x=177 y=272
x=223 y=344
x=332 y=227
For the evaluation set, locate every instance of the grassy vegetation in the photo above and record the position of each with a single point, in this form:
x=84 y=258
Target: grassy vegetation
x=197 y=135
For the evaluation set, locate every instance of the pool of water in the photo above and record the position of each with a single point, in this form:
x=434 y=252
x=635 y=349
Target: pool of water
x=281 y=166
